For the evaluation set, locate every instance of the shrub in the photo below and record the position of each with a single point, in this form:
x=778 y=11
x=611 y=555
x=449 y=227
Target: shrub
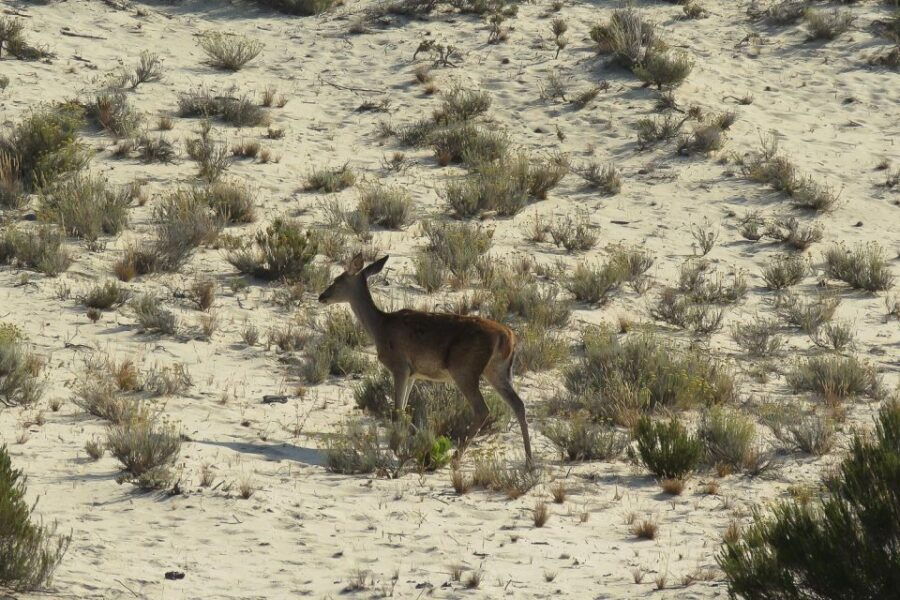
x=578 y=439
x=807 y=316
x=468 y=144
x=627 y=37
x=459 y=246
x=238 y=111
x=157 y=149
x=784 y=271
x=299 y=7
x=145 y=448
x=229 y=52
x=666 y=449
x=44 y=145
x=212 y=157
x=842 y=547
x=758 y=337
x=664 y=69
x=20 y=383
x=149 y=68
x=232 y=201
x=355 y=449
x=98 y=395
x=184 y=221
x=105 y=296
x=827 y=25
x=770 y=167
x=617 y=378
x=605 y=178
x=593 y=284
x=864 y=267
x=40 y=248
x=283 y=251
x=540 y=349
x=811 y=433
x=111 y=111
x=835 y=377
x=331 y=180
x=430 y=272
x=574 y=236
x=85 y=206
x=152 y=316
x=30 y=551
x=727 y=437
x=388 y=207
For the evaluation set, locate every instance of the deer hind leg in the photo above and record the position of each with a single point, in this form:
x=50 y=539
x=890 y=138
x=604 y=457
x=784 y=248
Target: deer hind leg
x=468 y=386
x=501 y=380
x=402 y=385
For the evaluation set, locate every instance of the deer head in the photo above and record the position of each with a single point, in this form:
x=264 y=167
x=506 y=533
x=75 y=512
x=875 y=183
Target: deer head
x=351 y=283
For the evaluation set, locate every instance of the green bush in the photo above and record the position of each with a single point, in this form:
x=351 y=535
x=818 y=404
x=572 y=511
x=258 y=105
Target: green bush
x=19 y=370
x=578 y=439
x=44 y=145
x=847 y=545
x=39 y=248
x=666 y=449
x=728 y=438
x=664 y=69
x=145 y=448
x=29 y=551
x=835 y=377
x=229 y=52
x=85 y=206
x=864 y=267
x=283 y=251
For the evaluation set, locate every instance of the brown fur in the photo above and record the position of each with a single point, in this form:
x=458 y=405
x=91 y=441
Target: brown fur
x=434 y=346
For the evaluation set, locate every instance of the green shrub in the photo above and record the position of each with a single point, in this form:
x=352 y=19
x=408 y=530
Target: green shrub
x=29 y=551
x=232 y=201
x=330 y=180
x=20 y=383
x=666 y=449
x=184 y=221
x=459 y=246
x=807 y=316
x=388 y=207
x=627 y=37
x=835 y=377
x=727 y=437
x=664 y=69
x=238 y=111
x=616 y=378
x=111 y=111
x=844 y=546
x=784 y=271
x=152 y=316
x=283 y=251
x=39 y=248
x=145 y=448
x=44 y=145
x=105 y=296
x=864 y=267
x=759 y=337
x=85 y=206
x=229 y=52
x=578 y=439
x=827 y=25
x=540 y=349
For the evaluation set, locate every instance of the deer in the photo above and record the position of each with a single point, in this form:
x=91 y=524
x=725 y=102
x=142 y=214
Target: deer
x=415 y=345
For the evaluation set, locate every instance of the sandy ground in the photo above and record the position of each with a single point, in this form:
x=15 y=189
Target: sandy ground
x=306 y=532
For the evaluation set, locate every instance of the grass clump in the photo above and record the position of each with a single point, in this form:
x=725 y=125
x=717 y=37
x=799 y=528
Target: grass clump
x=620 y=379
x=759 y=337
x=835 y=377
x=769 y=166
x=105 y=296
x=841 y=546
x=664 y=69
x=40 y=149
x=146 y=449
x=112 y=112
x=578 y=439
x=808 y=316
x=728 y=438
x=85 y=206
x=666 y=449
x=283 y=250
x=385 y=206
x=330 y=180
x=30 y=551
x=229 y=52
x=627 y=38
x=458 y=246
x=184 y=221
x=152 y=316
x=20 y=383
x=827 y=25
x=863 y=267
x=40 y=248
x=231 y=201
x=784 y=271
x=240 y=111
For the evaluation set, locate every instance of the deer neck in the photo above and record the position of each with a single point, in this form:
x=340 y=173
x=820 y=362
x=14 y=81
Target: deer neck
x=369 y=315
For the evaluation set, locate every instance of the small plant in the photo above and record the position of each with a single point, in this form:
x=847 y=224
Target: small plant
x=784 y=271
x=112 y=112
x=105 y=296
x=864 y=267
x=807 y=316
x=152 y=316
x=664 y=69
x=541 y=513
x=331 y=180
x=148 y=69
x=626 y=37
x=827 y=25
x=705 y=237
x=645 y=529
x=94 y=448
x=31 y=551
x=85 y=206
x=40 y=249
x=283 y=251
x=577 y=439
x=229 y=52
x=157 y=149
x=388 y=207
x=605 y=178
x=835 y=377
x=728 y=438
x=145 y=448
x=666 y=449
x=559 y=491
x=759 y=337
x=20 y=383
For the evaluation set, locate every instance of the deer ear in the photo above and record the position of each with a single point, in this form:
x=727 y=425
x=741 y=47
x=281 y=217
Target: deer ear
x=374 y=268
x=356 y=264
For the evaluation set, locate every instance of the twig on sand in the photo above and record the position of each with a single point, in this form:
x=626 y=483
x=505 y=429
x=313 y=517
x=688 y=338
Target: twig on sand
x=349 y=88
